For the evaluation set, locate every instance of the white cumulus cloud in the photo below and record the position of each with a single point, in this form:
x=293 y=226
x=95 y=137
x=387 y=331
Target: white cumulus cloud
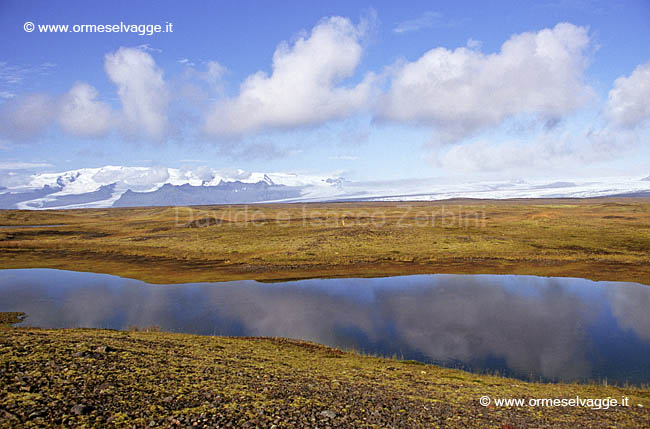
x=26 y=117
x=304 y=86
x=213 y=74
x=464 y=91
x=81 y=114
x=628 y=103
x=142 y=91
x=486 y=156
x=555 y=149
x=145 y=176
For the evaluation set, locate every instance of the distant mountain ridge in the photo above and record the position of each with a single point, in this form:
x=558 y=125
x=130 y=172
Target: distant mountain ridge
x=10 y=199
x=103 y=193
x=121 y=186
x=223 y=193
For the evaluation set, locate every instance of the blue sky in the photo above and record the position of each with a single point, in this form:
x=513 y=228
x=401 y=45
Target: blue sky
x=376 y=90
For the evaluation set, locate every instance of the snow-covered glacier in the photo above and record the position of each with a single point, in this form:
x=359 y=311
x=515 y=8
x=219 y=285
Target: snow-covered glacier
x=120 y=186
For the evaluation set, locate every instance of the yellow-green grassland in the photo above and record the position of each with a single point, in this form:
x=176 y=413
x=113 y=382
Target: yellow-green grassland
x=598 y=239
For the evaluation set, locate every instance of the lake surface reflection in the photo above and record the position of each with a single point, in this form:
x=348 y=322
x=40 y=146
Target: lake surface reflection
x=524 y=326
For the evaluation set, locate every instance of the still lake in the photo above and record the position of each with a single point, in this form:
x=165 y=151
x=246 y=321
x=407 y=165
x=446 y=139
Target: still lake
x=523 y=326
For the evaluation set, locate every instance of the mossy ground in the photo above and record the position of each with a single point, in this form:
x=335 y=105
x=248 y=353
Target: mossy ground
x=8 y=318
x=599 y=239
x=96 y=378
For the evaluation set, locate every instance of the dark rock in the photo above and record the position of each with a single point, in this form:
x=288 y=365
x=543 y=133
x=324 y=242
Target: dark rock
x=104 y=349
x=328 y=413
x=81 y=409
x=37 y=414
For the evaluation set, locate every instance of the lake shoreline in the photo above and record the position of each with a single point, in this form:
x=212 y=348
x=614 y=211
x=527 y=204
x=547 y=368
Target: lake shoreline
x=179 y=379
x=597 y=239
x=179 y=272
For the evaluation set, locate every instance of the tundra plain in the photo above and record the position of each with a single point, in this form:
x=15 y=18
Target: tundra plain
x=598 y=239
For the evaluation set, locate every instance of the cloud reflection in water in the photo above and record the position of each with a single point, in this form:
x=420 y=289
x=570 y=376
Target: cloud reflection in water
x=535 y=326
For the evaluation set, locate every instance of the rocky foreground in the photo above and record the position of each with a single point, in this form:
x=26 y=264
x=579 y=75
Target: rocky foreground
x=97 y=378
